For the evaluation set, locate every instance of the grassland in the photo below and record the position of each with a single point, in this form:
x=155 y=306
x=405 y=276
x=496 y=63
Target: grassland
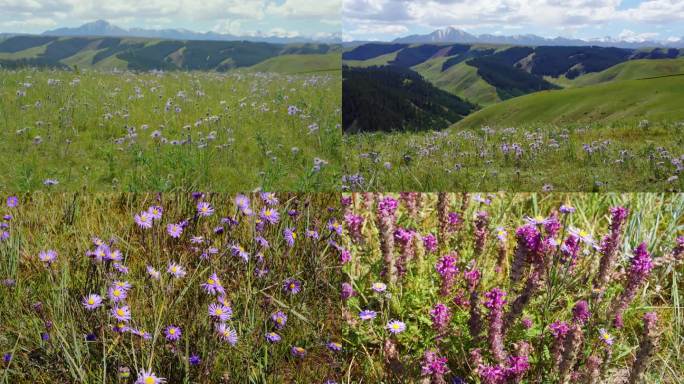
x=630 y=70
x=48 y=336
x=126 y=131
x=615 y=136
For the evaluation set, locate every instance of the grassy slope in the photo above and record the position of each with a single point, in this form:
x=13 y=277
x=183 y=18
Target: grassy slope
x=300 y=63
x=461 y=80
x=380 y=60
x=657 y=99
x=631 y=70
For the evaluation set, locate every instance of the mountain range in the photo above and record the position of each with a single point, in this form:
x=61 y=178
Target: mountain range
x=103 y=28
x=455 y=35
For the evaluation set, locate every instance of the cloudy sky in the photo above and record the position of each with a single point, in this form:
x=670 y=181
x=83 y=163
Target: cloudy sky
x=243 y=17
x=629 y=19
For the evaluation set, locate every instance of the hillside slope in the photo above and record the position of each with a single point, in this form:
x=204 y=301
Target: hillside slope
x=653 y=99
x=144 y=54
x=630 y=70
x=300 y=63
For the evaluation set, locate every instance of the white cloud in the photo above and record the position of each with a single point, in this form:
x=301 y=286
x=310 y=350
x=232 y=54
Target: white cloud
x=329 y=9
x=633 y=37
x=390 y=29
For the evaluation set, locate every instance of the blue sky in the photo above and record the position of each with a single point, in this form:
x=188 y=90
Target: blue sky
x=634 y=20
x=243 y=17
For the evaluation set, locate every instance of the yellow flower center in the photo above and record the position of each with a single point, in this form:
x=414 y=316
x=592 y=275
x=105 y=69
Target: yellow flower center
x=219 y=311
x=91 y=301
x=395 y=326
x=268 y=212
x=172 y=331
x=279 y=320
x=149 y=380
x=117 y=293
x=210 y=281
x=294 y=235
x=120 y=312
x=174 y=269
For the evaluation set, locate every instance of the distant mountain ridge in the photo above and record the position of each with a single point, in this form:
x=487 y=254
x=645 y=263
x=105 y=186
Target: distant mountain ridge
x=454 y=35
x=103 y=28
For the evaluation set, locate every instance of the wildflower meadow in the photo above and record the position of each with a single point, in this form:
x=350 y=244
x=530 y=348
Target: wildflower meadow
x=165 y=131
x=170 y=288
x=513 y=288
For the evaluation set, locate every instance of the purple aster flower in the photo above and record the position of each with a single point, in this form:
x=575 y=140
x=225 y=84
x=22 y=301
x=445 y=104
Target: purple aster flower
x=92 y=301
x=227 y=334
x=194 y=360
x=50 y=182
x=155 y=211
x=292 y=286
x=213 y=285
x=7 y=357
x=292 y=110
x=243 y=204
x=272 y=337
x=367 y=314
x=204 y=209
x=396 y=326
x=605 y=336
x=334 y=226
x=144 y=220
x=279 y=319
x=172 y=333
x=566 y=209
x=147 y=377
x=220 y=312
x=298 y=352
x=290 y=236
x=270 y=215
x=269 y=198
x=153 y=273
x=238 y=250
x=312 y=234
x=334 y=346
x=174 y=230
x=12 y=201
x=379 y=287
x=176 y=270
x=116 y=294
x=122 y=313
x=48 y=257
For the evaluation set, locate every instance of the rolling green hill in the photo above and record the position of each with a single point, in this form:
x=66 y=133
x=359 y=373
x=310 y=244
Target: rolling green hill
x=461 y=79
x=630 y=70
x=150 y=54
x=301 y=63
x=653 y=99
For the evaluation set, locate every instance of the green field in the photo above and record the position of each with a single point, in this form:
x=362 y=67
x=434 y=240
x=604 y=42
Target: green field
x=630 y=70
x=47 y=334
x=657 y=99
x=127 y=131
x=292 y=64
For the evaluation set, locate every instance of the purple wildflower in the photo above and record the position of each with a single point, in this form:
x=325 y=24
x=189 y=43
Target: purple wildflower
x=172 y=333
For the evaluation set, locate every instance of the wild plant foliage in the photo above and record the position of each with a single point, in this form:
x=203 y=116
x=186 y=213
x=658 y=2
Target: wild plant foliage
x=169 y=288
x=513 y=288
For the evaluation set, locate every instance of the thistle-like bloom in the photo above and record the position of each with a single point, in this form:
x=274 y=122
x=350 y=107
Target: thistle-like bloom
x=528 y=249
x=367 y=314
x=481 y=231
x=440 y=316
x=435 y=366
x=496 y=298
x=580 y=312
x=447 y=269
x=647 y=346
x=176 y=270
x=272 y=337
x=92 y=301
x=639 y=270
x=220 y=312
x=430 y=242
x=122 y=313
x=144 y=220
x=279 y=319
x=174 y=230
x=48 y=257
x=379 y=287
x=116 y=294
x=270 y=215
x=298 y=352
x=347 y=291
x=354 y=224
x=290 y=236
x=172 y=333
x=605 y=336
x=227 y=334
x=155 y=211
x=292 y=286
x=148 y=377
x=204 y=209
x=609 y=245
x=396 y=326
x=213 y=285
